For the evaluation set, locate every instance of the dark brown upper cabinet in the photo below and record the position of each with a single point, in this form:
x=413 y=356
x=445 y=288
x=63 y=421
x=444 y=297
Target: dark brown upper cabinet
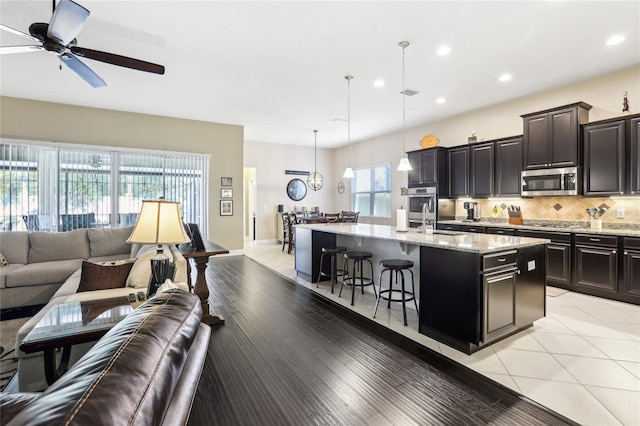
x=604 y=157
x=552 y=137
x=508 y=158
x=482 y=171
x=429 y=169
x=459 y=172
x=634 y=156
x=611 y=157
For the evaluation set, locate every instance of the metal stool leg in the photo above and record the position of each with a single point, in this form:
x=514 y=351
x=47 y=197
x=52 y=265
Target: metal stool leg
x=353 y=281
x=379 y=295
x=413 y=289
x=404 y=304
x=320 y=271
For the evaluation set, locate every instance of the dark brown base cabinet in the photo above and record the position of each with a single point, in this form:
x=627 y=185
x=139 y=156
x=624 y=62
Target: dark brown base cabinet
x=308 y=252
x=596 y=263
x=631 y=268
x=469 y=301
x=557 y=256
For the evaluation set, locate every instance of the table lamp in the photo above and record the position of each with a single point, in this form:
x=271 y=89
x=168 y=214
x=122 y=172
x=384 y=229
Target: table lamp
x=159 y=223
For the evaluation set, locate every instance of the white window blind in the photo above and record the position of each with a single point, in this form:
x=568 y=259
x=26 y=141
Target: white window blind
x=64 y=188
x=371 y=194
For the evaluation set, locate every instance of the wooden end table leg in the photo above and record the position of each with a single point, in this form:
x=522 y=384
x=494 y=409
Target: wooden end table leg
x=52 y=371
x=202 y=291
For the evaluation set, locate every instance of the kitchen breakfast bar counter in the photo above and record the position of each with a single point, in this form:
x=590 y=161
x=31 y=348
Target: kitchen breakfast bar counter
x=473 y=289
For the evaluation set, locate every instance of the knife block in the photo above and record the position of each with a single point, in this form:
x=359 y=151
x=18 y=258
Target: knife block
x=515 y=220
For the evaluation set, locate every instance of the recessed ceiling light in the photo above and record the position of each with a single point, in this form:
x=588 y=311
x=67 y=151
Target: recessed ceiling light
x=444 y=50
x=505 y=77
x=378 y=83
x=619 y=38
x=440 y=100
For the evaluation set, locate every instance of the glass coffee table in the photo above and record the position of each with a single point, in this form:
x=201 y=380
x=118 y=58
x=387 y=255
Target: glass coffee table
x=68 y=324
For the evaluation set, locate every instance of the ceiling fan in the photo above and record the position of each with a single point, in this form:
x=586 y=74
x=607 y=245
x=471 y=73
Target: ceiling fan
x=58 y=37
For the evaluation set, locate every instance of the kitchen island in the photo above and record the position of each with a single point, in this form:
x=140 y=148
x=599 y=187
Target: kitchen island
x=473 y=289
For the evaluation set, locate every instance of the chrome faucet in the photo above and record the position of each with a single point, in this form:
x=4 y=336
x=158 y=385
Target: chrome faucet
x=424 y=218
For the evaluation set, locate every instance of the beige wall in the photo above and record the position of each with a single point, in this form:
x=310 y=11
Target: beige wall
x=44 y=121
x=270 y=161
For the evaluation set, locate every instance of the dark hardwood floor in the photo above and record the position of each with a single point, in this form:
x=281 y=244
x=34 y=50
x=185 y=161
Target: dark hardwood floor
x=287 y=356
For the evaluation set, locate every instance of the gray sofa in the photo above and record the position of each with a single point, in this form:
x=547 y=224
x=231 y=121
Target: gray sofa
x=40 y=262
x=52 y=274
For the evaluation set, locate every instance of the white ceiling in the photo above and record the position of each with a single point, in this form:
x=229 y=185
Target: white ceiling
x=277 y=68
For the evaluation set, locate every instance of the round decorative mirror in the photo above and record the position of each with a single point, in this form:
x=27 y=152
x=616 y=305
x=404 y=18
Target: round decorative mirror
x=296 y=189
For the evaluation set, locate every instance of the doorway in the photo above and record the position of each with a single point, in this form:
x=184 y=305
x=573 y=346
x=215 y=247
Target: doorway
x=250 y=203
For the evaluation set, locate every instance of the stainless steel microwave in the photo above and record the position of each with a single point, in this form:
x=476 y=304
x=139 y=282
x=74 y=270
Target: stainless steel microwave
x=546 y=182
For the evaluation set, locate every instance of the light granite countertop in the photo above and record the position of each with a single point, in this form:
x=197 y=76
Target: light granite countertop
x=552 y=227
x=460 y=241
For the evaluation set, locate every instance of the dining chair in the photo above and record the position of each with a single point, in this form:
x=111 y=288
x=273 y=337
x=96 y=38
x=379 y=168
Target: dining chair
x=286 y=219
x=332 y=217
x=293 y=219
x=348 y=216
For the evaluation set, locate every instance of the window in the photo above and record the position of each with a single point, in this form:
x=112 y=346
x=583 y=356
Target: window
x=371 y=194
x=64 y=188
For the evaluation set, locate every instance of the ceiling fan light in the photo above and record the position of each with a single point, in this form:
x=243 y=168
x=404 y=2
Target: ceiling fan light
x=404 y=165
x=348 y=173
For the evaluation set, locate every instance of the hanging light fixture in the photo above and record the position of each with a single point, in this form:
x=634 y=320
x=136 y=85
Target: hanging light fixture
x=348 y=172
x=315 y=179
x=404 y=161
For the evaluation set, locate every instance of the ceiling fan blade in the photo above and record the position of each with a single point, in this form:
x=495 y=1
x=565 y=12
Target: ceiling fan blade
x=122 y=61
x=67 y=21
x=83 y=71
x=19 y=33
x=7 y=50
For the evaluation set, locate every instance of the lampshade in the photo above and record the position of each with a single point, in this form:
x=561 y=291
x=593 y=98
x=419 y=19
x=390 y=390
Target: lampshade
x=348 y=173
x=159 y=222
x=404 y=165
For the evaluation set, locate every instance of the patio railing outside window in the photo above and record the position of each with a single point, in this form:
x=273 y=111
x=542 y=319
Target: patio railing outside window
x=63 y=188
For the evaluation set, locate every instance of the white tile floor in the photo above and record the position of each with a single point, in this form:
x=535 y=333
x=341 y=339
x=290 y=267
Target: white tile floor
x=582 y=360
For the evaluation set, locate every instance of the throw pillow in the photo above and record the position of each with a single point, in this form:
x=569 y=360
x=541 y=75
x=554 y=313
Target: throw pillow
x=101 y=277
x=3 y=260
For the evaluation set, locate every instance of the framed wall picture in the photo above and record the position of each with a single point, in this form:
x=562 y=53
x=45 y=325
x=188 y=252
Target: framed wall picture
x=226 y=181
x=226 y=193
x=226 y=207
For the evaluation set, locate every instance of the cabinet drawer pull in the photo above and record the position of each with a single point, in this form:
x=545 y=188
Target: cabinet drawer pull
x=626 y=253
x=502 y=260
x=499 y=232
x=594 y=239
x=614 y=251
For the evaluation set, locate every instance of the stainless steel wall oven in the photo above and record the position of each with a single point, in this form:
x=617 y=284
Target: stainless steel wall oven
x=418 y=198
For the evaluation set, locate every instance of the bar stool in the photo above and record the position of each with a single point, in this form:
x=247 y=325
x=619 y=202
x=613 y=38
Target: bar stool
x=334 y=273
x=397 y=266
x=357 y=259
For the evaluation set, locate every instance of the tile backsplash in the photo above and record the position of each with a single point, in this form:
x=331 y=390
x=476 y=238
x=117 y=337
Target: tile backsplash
x=571 y=209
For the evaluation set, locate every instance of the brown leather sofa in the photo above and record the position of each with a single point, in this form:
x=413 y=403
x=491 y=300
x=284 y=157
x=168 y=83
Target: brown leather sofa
x=145 y=370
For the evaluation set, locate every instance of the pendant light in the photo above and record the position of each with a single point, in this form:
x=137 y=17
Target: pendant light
x=348 y=172
x=404 y=161
x=315 y=179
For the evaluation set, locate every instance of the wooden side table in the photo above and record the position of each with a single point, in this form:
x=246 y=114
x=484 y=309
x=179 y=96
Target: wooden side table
x=201 y=258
